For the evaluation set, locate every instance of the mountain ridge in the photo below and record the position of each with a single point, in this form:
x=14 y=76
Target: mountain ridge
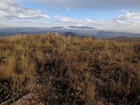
x=80 y=31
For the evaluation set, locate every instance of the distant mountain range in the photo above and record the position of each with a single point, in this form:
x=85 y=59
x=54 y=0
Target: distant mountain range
x=70 y=34
x=67 y=31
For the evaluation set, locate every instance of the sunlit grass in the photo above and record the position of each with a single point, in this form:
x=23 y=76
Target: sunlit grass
x=71 y=70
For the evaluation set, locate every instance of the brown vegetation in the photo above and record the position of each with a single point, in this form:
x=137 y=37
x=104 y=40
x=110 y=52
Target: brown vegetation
x=70 y=70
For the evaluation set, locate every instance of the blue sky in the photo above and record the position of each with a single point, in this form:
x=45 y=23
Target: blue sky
x=116 y=15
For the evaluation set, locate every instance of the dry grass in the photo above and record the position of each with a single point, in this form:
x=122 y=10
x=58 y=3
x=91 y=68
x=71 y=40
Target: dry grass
x=70 y=70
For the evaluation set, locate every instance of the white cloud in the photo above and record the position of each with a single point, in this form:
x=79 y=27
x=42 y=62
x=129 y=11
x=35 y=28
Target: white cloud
x=129 y=18
x=95 y=21
x=129 y=22
x=10 y=9
x=67 y=19
x=63 y=19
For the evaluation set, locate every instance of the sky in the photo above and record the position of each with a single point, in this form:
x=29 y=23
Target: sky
x=115 y=15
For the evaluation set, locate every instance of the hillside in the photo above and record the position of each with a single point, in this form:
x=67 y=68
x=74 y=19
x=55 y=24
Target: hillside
x=72 y=30
x=69 y=70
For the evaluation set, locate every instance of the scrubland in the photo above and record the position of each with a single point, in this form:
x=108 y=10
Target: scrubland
x=70 y=70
